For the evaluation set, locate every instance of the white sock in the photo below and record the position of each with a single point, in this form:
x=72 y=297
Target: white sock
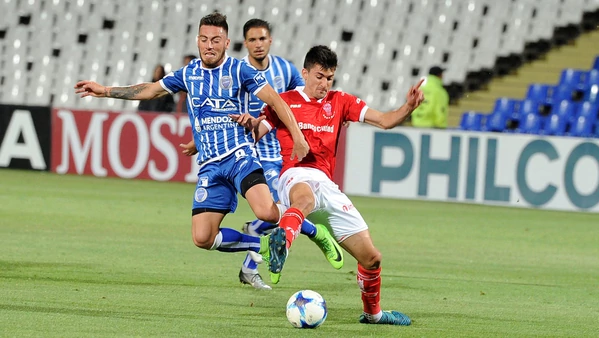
x=217 y=241
x=245 y=269
x=282 y=210
x=373 y=318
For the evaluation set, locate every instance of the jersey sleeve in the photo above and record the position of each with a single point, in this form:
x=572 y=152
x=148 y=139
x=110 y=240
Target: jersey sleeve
x=295 y=79
x=354 y=108
x=173 y=82
x=252 y=80
x=272 y=119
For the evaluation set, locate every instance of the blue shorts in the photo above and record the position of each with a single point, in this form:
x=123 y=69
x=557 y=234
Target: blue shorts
x=219 y=182
x=272 y=170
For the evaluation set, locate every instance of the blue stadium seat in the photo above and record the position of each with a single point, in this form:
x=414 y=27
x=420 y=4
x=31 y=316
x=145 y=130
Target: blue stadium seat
x=592 y=94
x=538 y=92
x=506 y=106
x=560 y=93
x=556 y=125
x=529 y=107
x=583 y=126
x=564 y=108
x=496 y=122
x=596 y=63
x=571 y=78
x=588 y=109
x=471 y=121
x=530 y=123
x=592 y=78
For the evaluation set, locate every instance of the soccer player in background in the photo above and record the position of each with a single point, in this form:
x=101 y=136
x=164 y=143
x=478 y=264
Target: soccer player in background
x=306 y=184
x=282 y=75
x=216 y=85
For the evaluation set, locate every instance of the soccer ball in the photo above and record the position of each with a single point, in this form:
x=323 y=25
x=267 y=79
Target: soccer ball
x=306 y=309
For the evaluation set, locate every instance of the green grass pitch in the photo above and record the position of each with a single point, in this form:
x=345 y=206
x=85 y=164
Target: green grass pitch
x=97 y=257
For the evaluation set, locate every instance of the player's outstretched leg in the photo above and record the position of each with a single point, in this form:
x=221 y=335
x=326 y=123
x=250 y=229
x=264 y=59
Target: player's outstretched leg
x=369 y=282
x=328 y=245
x=277 y=253
x=248 y=274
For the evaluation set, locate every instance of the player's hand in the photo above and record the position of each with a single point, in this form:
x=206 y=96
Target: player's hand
x=246 y=120
x=189 y=149
x=249 y=122
x=90 y=88
x=300 y=148
x=415 y=96
x=345 y=124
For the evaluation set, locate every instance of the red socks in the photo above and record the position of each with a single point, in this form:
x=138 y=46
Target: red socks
x=369 y=282
x=291 y=222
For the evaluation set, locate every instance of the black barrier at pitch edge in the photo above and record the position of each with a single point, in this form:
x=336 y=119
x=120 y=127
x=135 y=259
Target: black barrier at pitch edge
x=25 y=136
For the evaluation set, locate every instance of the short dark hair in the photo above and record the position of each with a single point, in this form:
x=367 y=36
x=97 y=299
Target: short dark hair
x=215 y=19
x=322 y=56
x=256 y=23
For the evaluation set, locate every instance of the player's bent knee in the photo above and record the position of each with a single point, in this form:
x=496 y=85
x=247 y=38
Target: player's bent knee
x=202 y=242
x=372 y=261
x=205 y=226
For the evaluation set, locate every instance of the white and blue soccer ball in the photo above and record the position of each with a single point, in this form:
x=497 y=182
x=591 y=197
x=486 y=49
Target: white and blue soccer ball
x=306 y=309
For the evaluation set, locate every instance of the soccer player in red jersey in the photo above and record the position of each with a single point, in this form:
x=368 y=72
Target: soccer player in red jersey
x=306 y=185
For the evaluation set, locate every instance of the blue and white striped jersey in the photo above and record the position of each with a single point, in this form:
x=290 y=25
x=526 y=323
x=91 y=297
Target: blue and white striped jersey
x=213 y=94
x=282 y=76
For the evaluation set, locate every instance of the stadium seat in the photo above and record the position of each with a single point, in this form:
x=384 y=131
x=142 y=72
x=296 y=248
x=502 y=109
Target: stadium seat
x=565 y=108
x=471 y=121
x=583 y=126
x=506 y=106
x=560 y=93
x=538 y=92
x=592 y=94
x=571 y=78
x=589 y=110
x=529 y=107
x=555 y=125
x=596 y=62
x=591 y=78
x=496 y=122
x=530 y=124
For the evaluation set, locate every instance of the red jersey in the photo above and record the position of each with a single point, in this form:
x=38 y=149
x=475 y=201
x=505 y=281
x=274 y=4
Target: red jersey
x=320 y=121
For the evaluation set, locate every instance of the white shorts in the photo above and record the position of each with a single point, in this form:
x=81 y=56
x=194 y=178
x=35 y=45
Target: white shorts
x=332 y=205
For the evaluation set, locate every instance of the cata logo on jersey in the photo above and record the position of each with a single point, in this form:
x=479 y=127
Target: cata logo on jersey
x=215 y=104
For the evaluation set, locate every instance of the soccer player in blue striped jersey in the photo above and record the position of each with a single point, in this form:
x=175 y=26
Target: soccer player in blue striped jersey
x=216 y=86
x=282 y=75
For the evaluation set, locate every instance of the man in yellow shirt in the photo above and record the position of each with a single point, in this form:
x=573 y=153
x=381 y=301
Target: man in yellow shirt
x=432 y=113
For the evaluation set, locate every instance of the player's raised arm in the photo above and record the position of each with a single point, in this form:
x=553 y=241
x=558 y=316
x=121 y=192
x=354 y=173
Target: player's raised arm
x=396 y=117
x=142 y=91
x=269 y=96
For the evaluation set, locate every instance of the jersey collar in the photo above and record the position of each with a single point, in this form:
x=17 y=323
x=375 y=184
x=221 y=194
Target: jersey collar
x=300 y=90
x=246 y=59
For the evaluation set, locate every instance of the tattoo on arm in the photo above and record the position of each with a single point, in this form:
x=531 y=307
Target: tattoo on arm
x=127 y=93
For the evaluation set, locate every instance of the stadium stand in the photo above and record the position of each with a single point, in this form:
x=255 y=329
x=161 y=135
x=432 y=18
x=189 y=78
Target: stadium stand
x=384 y=46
